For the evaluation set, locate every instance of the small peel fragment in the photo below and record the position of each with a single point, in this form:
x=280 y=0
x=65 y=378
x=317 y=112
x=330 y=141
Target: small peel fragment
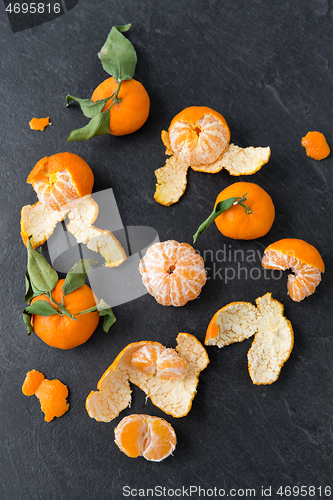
x=39 y=123
x=172 y=178
x=273 y=335
x=81 y=219
x=52 y=394
x=174 y=397
x=171 y=181
x=39 y=222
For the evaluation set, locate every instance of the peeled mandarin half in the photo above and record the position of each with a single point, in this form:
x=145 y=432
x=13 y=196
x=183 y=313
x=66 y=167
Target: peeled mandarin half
x=174 y=396
x=142 y=435
x=160 y=361
x=302 y=258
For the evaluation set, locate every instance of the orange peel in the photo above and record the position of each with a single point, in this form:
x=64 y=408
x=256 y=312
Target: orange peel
x=52 y=394
x=174 y=397
x=315 y=145
x=39 y=123
x=172 y=178
x=273 y=335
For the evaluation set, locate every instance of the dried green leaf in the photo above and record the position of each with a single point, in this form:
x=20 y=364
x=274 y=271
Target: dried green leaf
x=118 y=55
x=98 y=125
x=27 y=322
x=88 y=107
x=29 y=293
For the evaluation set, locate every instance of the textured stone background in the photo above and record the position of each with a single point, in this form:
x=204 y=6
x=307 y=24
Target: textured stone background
x=267 y=67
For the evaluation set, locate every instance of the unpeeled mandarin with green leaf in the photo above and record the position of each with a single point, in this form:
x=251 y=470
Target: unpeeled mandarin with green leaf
x=60 y=330
x=63 y=313
x=120 y=104
x=243 y=211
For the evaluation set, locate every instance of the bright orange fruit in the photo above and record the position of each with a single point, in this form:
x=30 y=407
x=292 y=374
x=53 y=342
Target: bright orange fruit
x=142 y=435
x=302 y=258
x=316 y=145
x=62 y=331
x=61 y=179
x=157 y=360
x=198 y=135
x=132 y=110
x=173 y=273
x=237 y=222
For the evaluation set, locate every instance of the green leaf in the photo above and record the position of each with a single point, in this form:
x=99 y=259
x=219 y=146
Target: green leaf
x=109 y=317
x=221 y=207
x=29 y=293
x=123 y=28
x=41 y=307
x=99 y=125
x=42 y=276
x=88 y=107
x=118 y=55
x=75 y=278
x=27 y=322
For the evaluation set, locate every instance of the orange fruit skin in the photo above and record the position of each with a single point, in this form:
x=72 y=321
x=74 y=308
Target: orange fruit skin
x=299 y=249
x=44 y=176
x=39 y=123
x=132 y=112
x=31 y=383
x=52 y=396
x=316 y=145
x=235 y=223
x=212 y=330
x=63 y=332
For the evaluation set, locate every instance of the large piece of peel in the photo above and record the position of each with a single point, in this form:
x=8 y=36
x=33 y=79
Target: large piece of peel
x=39 y=222
x=273 y=335
x=81 y=219
x=174 y=397
x=172 y=178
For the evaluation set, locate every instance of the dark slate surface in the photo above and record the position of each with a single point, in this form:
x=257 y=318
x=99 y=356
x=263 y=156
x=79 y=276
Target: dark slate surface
x=267 y=67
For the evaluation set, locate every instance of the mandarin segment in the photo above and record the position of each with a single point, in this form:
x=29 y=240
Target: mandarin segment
x=302 y=258
x=174 y=397
x=60 y=179
x=162 y=362
x=142 y=435
x=173 y=273
x=52 y=394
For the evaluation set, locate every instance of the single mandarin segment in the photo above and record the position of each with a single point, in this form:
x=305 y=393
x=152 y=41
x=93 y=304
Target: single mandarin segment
x=199 y=135
x=237 y=222
x=61 y=331
x=316 y=146
x=131 y=111
x=143 y=435
x=60 y=179
x=52 y=394
x=302 y=258
x=173 y=396
x=39 y=123
x=173 y=273
x=160 y=361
